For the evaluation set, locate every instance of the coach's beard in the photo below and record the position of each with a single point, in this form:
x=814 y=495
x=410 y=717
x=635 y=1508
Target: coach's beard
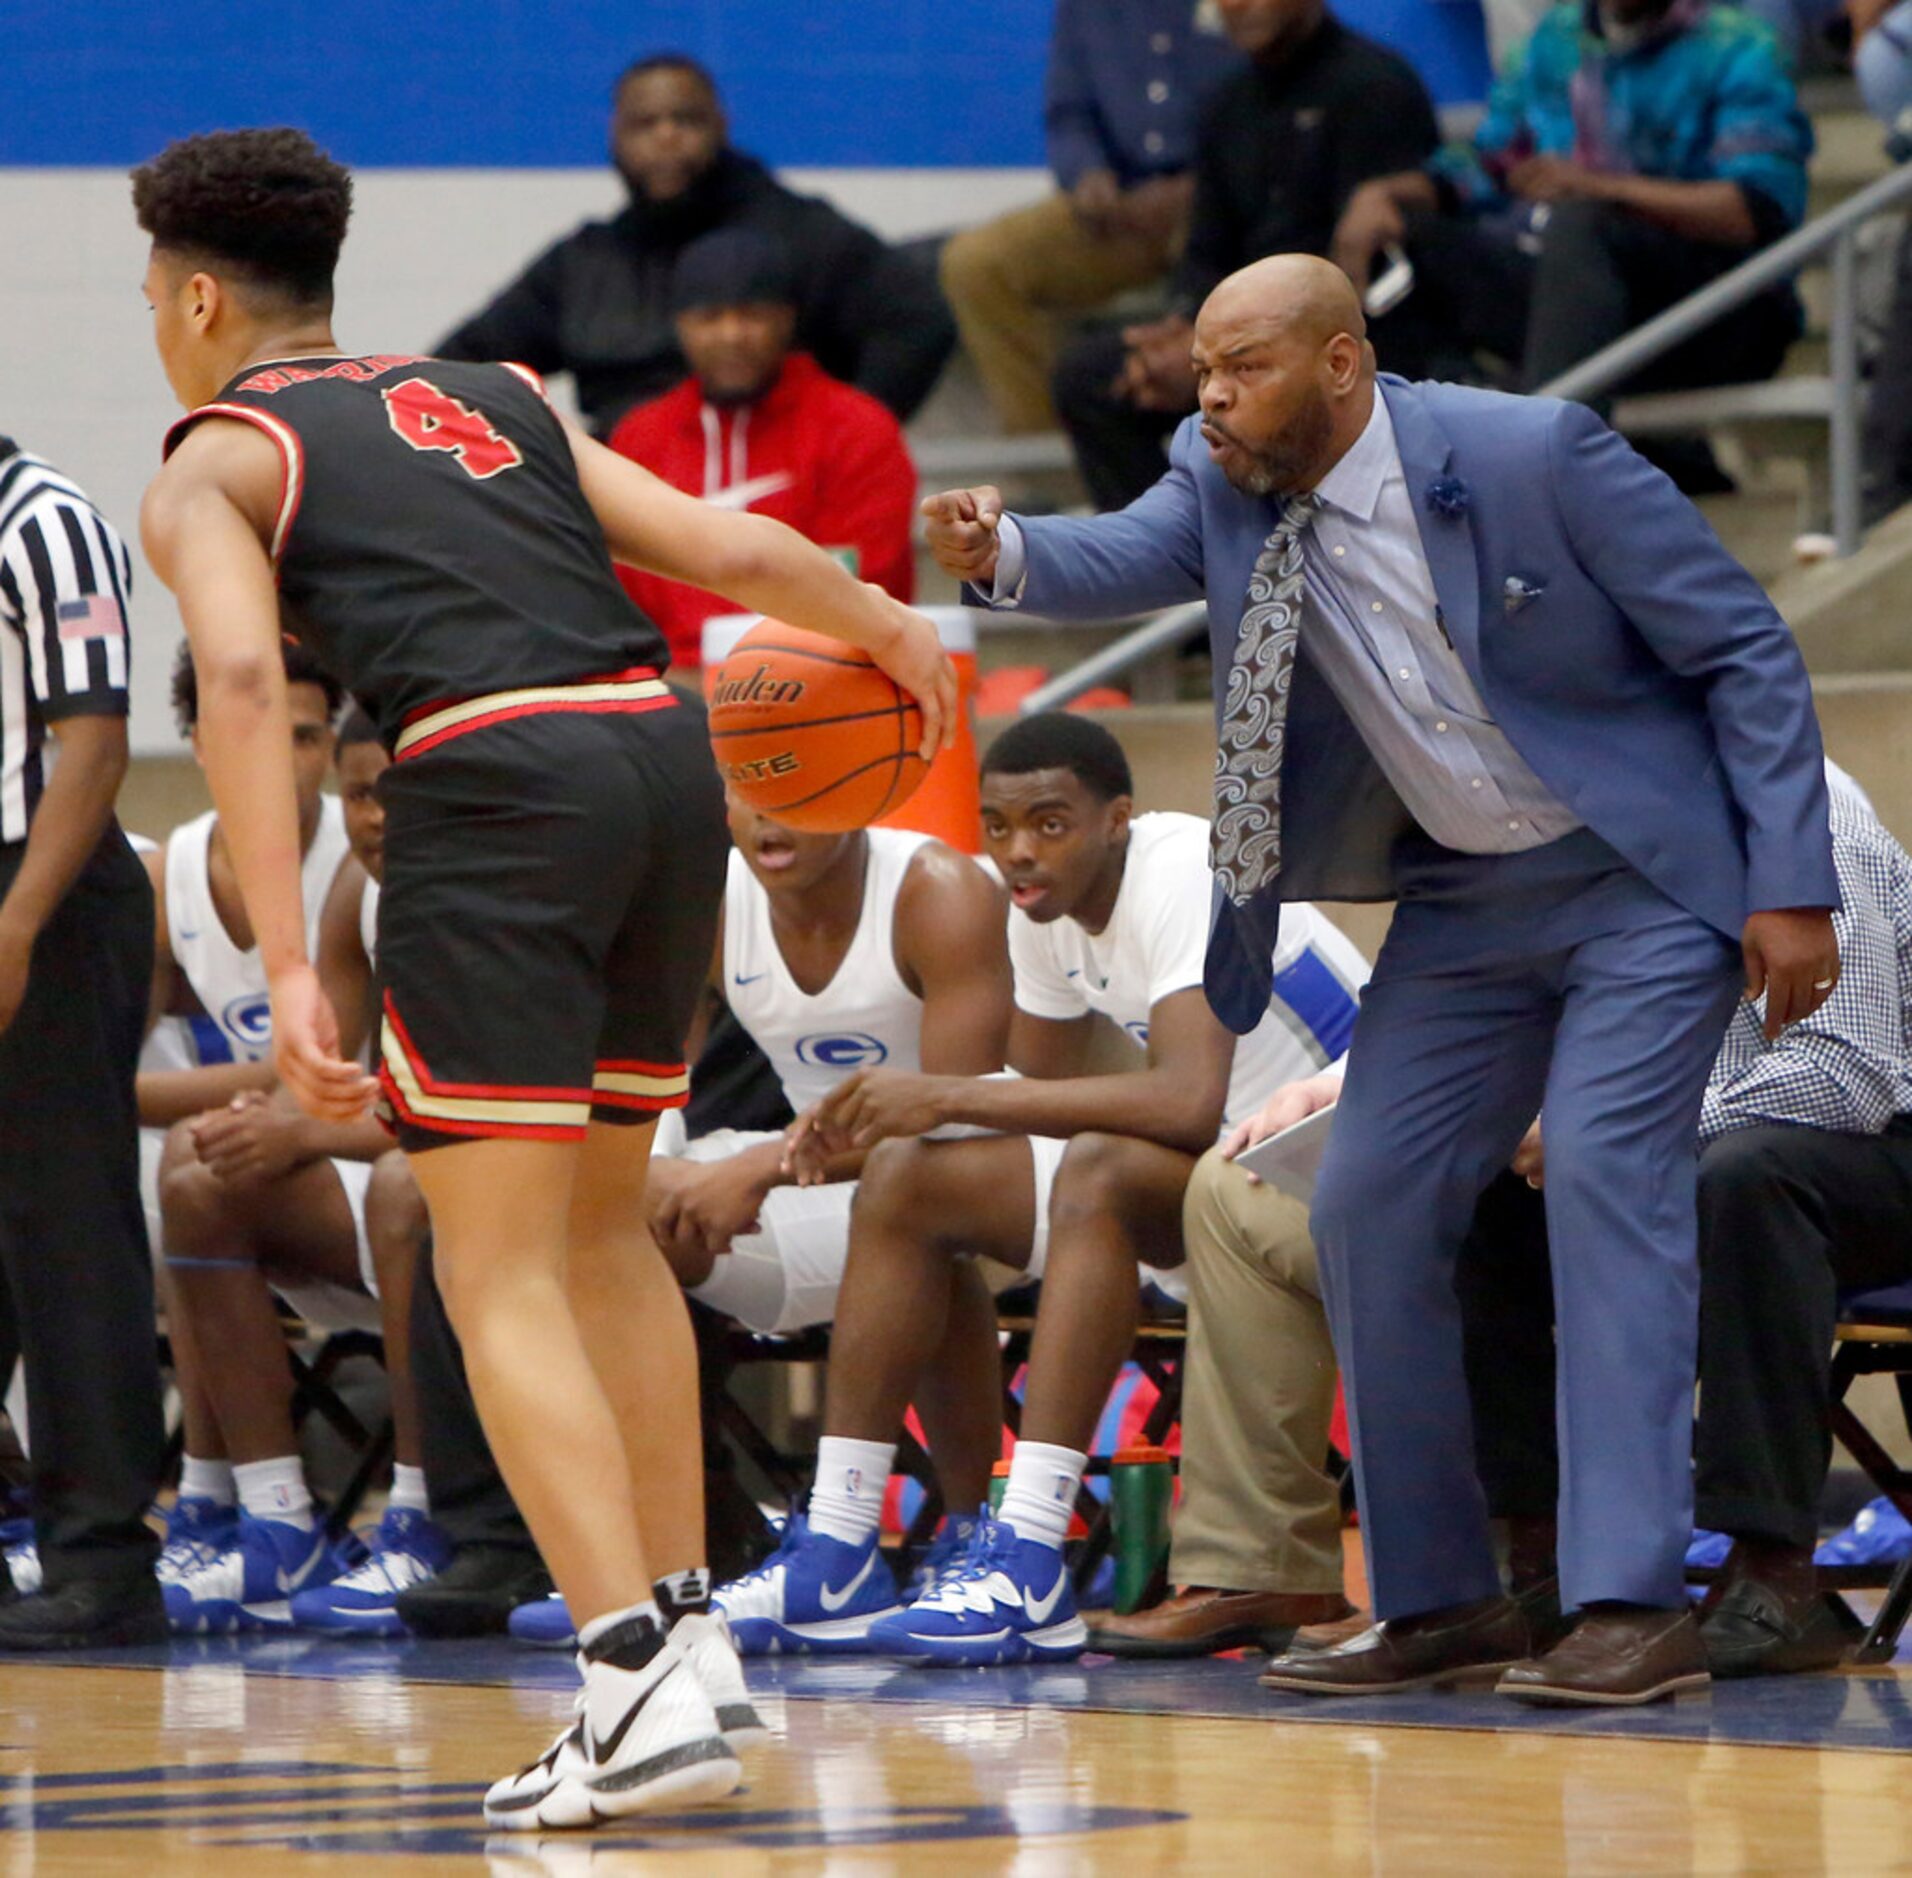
x=1289 y=461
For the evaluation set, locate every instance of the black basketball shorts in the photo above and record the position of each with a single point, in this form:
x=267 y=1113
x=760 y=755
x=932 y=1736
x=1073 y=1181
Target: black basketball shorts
x=553 y=874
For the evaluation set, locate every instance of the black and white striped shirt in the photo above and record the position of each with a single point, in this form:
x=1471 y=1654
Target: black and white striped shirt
x=64 y=581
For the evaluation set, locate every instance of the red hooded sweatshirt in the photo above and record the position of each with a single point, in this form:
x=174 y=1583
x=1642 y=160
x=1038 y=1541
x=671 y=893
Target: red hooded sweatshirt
x=812 y=451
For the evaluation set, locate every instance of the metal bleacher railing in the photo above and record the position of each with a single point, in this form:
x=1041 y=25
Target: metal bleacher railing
x=1834 y=398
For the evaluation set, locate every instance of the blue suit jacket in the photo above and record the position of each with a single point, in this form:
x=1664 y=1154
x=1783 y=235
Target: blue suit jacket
x=1647 y=681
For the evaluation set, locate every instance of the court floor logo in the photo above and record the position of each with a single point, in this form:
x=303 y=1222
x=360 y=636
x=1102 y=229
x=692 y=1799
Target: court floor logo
x=344 y=1809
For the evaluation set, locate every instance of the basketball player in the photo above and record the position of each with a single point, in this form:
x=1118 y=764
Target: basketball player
x=553 y=856
x=259 y=1195
x=883 y=946
x=1073 y=1177
x=216 y=1153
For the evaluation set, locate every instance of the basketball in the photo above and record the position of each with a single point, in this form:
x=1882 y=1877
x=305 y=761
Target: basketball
x=809 y=732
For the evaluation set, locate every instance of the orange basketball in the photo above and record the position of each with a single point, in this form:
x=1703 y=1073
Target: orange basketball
x=809 y=732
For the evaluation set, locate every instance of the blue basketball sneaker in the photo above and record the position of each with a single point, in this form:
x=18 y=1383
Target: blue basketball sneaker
x=948 y=1552
x=249 y=1586
x=812 y=1594
x=1707 y=1550
x=1011 y=1602
x=407 y=1549
x=197 y=1531
x=1879 y=1536
x=543 y=1624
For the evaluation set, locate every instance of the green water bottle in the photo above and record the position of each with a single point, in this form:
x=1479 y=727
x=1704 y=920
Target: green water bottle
x=998 y=1486
x=1141 y=1489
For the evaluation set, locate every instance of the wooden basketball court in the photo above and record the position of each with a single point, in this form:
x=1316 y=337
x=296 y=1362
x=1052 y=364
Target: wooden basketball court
x=296 y=1755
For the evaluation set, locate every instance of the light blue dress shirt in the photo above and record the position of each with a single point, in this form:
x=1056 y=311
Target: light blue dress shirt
x=1373 y=627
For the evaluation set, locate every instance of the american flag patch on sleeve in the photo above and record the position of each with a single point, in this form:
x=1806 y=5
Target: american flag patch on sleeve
x=97 y=616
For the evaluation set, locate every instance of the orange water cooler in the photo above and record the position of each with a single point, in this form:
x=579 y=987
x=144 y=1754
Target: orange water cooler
x=947 y=805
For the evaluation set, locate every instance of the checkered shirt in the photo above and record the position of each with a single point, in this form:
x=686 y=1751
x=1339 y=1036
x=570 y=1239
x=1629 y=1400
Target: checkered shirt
x=1848 y=1067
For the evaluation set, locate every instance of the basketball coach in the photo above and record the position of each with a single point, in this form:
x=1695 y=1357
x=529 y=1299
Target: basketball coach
x=1474 y=654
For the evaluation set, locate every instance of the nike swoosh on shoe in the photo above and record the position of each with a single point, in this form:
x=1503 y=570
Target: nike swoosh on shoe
x=835 y=1600
x=601 y=1752
x=1040 y=1608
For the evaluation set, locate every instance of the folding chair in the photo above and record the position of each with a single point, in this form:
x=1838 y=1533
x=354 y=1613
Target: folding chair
x=315 y=1353
x=1874 y=1337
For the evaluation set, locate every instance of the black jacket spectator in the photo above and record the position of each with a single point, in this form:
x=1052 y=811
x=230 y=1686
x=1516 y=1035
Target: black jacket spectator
x=1279 y=150
x=597 y=303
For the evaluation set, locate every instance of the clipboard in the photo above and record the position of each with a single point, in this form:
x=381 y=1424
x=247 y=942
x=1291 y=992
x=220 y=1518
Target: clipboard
x=1290 y=1160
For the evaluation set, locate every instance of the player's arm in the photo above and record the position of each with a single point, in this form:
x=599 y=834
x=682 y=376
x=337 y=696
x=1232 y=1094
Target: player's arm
x=344 y=970
x=950 y=944
x=159 y=995
x=1176 y=1099
x=205 y=521
x=250 y=1141
x=166 y=1096
x=765 y=567
x=951 y=950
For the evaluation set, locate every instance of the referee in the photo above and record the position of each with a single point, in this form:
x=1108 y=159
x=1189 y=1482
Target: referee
x=76 y=960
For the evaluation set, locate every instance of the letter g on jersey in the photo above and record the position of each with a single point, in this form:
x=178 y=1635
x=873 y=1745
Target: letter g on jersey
x=249 y=1018
x=846 y=1049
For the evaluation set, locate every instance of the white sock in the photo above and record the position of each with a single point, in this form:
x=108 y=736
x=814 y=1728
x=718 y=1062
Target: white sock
x=408 y=1489
x=1041 y=1493
x=846 y=1499
x=206 y=1480
x=274 y=1490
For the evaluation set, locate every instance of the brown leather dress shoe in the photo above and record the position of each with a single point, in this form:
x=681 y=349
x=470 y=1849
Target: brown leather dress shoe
x=1470 y=1643
x=1326 y=1636
x=1198 y=1622
x=1618 y=1658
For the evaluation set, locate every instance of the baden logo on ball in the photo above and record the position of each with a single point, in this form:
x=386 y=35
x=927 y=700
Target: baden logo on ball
x=808 y=730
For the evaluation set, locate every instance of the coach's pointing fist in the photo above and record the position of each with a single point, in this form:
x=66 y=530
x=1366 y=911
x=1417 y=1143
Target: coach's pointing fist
x=961 y=532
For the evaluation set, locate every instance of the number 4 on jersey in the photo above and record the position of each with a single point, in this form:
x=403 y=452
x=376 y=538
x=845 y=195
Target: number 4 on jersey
x=429 y=419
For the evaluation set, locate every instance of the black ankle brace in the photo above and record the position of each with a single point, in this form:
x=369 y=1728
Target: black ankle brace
x=629 y=1645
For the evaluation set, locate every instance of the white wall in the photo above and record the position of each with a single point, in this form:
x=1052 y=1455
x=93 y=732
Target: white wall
x=80 y=385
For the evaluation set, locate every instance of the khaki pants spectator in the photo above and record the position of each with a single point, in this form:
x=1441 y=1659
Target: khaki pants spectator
x=1259 y=1511
x=1009 y=281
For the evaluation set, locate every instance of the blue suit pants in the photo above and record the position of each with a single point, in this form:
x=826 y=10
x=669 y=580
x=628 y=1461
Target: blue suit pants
x=1557 y=982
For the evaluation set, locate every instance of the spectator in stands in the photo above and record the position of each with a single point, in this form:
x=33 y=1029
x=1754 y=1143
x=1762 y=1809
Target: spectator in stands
x=597 y=303
x=1805 y=1190
x=759 y=426
x=1631 y=153
x=1126 y=81
x=1279 y=152
x=1882 y=62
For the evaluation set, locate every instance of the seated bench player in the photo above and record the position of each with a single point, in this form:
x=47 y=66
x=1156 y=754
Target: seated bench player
x=881 y=946
x=207 y=1043
x=410 y=1545
x=1070 y=1176
x=255 y=1196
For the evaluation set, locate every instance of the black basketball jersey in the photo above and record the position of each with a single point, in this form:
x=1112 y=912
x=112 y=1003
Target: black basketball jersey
x=432 y=541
